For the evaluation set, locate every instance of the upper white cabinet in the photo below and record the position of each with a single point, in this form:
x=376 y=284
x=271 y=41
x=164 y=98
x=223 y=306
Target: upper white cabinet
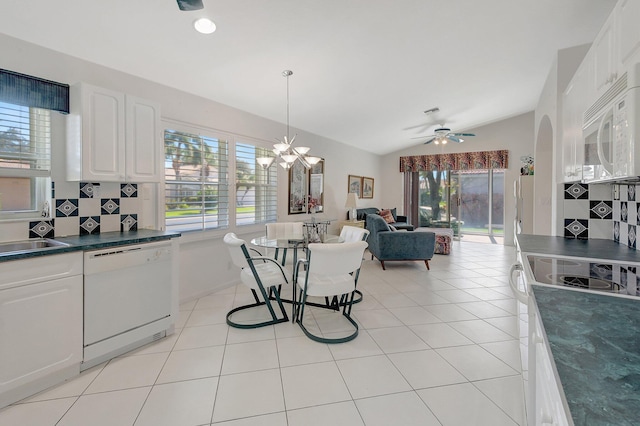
x=604 y=63
x=574 y=102
x=628 y=32
x=112 y=137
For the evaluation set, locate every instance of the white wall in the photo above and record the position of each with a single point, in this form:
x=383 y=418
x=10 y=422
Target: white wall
x=515 y=134
x=549 y=105
x=204 y=260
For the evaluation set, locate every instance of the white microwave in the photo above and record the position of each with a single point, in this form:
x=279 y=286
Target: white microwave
x=611 y=132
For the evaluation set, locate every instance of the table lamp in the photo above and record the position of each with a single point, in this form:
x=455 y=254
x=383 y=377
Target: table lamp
x=351 y=203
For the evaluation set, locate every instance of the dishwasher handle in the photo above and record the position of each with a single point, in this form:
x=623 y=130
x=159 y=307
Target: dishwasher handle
x=114 y=252
x=123 y=257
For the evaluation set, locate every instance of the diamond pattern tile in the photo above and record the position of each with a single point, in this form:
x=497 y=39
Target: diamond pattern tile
x=576 y=191
x=41 y=229
x=67 y=208
x=576 y=228
x=601 y=209
x=89 y=225
x=109 y=206
x=129 y=190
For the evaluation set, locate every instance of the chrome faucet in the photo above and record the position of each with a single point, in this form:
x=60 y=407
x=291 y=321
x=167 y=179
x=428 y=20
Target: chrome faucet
x=45 y=209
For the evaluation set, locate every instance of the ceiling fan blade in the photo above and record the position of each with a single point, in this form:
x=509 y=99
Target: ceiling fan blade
x=462 y=134
x=422 y=137
x=454 y=139
x=190 y=4
x=429 y=141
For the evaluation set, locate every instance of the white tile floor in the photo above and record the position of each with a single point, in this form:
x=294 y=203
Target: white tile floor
x=435 y=347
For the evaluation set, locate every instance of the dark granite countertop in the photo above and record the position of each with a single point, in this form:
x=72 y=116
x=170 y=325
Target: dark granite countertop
x=592 y=248
x=93 y=242
x=595 y=342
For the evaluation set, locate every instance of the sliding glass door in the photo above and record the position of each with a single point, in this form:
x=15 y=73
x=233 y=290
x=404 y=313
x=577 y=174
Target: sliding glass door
x=469 y=201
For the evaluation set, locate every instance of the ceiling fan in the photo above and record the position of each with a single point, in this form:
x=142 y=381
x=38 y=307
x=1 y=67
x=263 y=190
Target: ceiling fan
x=190 y=4
x=442 y=135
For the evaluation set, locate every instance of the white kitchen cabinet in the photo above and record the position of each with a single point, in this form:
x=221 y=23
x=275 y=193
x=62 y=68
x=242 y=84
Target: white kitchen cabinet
x=40 y=323
x=112 y=137
x=628 y=33
x=549 y=403
x=574 y=102
x=604 y=60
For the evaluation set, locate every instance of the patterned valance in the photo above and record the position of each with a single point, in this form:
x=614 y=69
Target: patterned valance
x=460 y=161
x=25 y=90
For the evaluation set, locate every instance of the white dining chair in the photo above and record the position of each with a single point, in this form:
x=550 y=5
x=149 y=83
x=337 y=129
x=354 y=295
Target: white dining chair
x=350 y=234
x=264 y=276
x=284 y=231
x=332 y=271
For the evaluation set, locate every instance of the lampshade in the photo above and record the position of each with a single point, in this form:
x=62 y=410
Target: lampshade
x=352 y=200
x=265 y=162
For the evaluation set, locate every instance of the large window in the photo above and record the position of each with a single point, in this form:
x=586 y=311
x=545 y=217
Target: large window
x=196 y=181
x=212 y=182
x=25 y=160
x=256 y=188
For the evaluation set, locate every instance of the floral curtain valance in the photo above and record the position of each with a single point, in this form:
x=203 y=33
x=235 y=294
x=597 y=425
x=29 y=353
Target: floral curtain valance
x=25 y=90
x=460 y=161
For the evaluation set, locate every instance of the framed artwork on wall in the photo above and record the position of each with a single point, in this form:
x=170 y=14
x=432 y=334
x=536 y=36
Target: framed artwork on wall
x=298 y=186
x=367 y=187
x=316 y=188
x=306 y=188
x=355 y=185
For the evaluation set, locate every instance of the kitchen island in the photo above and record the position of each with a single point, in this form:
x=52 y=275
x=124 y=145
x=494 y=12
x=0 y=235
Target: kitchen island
x=595 y=342
x=593 y=338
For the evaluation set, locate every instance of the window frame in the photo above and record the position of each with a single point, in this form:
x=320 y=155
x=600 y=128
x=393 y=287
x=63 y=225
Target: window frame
x=232 y=141
x=40 y=130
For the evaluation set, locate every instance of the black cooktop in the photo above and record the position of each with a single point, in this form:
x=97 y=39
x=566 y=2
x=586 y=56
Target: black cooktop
x=584 y=274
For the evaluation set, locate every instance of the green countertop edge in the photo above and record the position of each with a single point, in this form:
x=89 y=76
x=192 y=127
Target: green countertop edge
x=93 y=242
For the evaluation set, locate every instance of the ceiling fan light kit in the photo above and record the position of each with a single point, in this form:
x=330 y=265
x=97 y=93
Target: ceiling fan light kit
x=442 y=135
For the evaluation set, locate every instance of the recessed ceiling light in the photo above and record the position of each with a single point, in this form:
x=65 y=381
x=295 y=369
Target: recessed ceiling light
x=204 y=25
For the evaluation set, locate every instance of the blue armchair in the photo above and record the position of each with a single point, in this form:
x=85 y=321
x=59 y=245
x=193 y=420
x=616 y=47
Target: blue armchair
x=385 y=244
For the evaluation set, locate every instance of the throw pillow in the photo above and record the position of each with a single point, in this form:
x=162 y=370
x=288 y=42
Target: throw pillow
x=387 y=216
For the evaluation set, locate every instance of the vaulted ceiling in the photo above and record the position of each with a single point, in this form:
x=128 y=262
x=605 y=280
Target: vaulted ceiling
x=364 y=70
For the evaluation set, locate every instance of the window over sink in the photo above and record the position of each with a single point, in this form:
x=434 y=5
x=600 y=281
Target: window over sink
x=25 y=160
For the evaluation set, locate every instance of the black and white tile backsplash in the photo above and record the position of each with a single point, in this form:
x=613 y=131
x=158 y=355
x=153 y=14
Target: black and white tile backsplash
x=597 y=211
x=89 y=208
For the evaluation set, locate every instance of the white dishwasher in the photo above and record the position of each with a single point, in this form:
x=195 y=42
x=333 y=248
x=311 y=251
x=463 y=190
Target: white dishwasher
x=127 y=298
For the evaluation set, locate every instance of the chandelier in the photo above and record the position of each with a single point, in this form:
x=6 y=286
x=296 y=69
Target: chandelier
x=284 y=149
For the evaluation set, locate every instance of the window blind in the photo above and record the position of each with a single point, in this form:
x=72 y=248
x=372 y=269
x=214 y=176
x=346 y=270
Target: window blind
x=196 y=182
x=256 y=187
x=25 y=141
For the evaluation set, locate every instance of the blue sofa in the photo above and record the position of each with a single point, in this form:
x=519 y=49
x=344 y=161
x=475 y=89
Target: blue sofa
x=400 y=221
x=385 y=244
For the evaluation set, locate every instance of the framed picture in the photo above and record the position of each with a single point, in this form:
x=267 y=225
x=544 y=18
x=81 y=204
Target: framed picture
x=316 y=188
x=355 y=185
x=298 y=185
x=367 y=187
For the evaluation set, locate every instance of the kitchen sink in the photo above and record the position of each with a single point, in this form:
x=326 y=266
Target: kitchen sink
x=30 y=245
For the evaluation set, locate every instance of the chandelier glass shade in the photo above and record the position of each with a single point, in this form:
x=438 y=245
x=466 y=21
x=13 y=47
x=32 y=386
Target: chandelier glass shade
x=284 y=151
